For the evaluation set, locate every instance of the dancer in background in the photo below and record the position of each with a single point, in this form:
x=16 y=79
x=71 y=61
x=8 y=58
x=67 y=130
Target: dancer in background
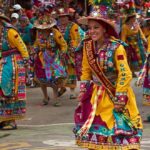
x=49 y=46
x=73 y=35
x=13 y=60
x=132 y=34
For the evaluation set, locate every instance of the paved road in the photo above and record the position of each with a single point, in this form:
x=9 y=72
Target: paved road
x=50 y=128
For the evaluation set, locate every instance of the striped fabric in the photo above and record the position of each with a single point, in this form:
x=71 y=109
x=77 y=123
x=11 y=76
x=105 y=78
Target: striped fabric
x=142 y=74
x=21 y=78
x=85 y=128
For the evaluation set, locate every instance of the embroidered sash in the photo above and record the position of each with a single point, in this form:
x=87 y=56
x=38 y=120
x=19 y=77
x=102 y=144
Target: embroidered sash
x=97 y=69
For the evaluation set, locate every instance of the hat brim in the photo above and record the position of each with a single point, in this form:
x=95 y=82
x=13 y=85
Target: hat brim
x=5 y=18
x=44 y=26
x=84 y=21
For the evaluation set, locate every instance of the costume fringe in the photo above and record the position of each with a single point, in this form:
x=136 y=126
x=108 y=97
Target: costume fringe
x=107 y=146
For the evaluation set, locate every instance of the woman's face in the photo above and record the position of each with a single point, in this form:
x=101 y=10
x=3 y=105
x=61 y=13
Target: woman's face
x=96 y=30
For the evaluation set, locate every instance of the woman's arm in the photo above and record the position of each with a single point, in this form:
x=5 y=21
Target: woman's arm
x=86 y=72
x=60 y=40
x=124 y=76
x=16 y=42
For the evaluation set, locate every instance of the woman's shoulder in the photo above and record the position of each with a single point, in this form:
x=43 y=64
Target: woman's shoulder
x=118 y=41
x=117 y=45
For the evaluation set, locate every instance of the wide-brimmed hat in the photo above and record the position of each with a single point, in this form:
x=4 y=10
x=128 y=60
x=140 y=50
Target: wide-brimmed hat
x=45 y=23
x=4 y=17
x=63 y=12
x=100 y=14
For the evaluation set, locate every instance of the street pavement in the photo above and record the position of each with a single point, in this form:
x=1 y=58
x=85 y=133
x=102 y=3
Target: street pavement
x=50 y=128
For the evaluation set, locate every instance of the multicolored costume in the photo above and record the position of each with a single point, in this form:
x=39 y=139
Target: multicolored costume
x=25 y=32
x=73 y=35
x=98 y=125
x=107 y=116
x=136 y=50
x=132 y=34
x=48 y=65
x=12 y=74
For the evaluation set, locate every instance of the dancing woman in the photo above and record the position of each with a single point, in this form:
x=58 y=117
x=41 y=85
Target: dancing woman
x=107 y=116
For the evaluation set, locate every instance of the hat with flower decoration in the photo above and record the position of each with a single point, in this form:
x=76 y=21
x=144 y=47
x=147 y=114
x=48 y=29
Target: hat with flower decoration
x=101 y=13
x=45 y=23
x=128 y=8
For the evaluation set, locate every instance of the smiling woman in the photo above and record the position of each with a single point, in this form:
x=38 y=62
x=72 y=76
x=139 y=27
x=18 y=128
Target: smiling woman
x=107 y=116
x=95 y=30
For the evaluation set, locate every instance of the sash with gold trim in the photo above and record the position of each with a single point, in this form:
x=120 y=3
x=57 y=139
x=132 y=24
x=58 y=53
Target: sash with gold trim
x=97 y=69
